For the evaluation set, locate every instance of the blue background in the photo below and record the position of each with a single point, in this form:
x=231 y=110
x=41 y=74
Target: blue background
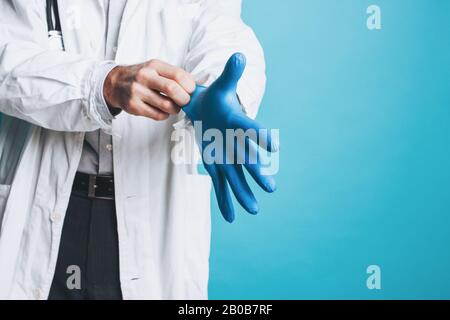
x=364 y=119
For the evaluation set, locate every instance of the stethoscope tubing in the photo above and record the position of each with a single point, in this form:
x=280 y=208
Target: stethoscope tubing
x=52 y=10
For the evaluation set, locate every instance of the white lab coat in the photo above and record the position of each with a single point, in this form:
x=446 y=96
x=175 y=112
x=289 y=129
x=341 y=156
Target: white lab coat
x=47 y=101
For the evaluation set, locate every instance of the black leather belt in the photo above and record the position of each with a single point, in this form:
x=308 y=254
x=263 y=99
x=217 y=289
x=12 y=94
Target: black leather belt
x=93 y=186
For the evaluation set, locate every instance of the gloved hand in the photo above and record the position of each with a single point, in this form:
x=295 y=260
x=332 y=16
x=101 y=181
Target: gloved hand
x=218 y=107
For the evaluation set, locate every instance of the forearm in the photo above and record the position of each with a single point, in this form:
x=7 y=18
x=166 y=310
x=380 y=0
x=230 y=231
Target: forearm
x=52 y=89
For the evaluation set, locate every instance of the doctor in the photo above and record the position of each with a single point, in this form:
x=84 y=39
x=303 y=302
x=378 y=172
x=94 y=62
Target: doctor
x=91 y=205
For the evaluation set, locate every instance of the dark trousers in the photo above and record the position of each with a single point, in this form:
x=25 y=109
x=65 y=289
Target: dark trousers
x=88 y=258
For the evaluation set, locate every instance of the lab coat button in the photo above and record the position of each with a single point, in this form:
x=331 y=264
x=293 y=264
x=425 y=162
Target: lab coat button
x=55 y=217
x=109 y=147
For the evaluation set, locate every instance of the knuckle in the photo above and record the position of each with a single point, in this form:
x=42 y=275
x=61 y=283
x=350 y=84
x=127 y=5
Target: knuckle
x=166 y=105
x=183 y=100
x=180 y=75
x=186 y=99
x=141 y=74
x=134 y=88
x=170 y=87
x=152 y=63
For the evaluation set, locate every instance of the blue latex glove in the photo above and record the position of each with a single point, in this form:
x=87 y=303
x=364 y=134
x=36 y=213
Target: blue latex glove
x=218 y=107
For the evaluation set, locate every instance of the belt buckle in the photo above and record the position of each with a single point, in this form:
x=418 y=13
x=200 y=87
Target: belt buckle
x=93 y=187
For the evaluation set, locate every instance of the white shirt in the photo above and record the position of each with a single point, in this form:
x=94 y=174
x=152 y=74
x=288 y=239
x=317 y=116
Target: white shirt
x=97 y=155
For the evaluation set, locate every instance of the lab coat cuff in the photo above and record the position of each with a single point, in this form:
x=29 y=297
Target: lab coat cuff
x=92 y=89
x=101 y=106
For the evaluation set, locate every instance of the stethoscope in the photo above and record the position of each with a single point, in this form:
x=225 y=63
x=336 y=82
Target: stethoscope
x=54 y=25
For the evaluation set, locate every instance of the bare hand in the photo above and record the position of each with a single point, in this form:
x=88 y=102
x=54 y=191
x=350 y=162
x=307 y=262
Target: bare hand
x=153 y=89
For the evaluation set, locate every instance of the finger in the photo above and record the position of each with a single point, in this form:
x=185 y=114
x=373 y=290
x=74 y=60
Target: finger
x=157 y=100
x=182 y=77
x=256 y=132
x=238 y=183
x=140 y=108
x=253 y=166
x=190 y=109
x=232 y=73
x=170 y=88
x=222 y=192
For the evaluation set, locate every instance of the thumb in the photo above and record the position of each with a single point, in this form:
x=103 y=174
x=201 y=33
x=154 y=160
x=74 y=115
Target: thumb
x=233 y=72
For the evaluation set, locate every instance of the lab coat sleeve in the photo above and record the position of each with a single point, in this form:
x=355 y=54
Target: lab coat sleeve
x=218 y=33
x=52 y=89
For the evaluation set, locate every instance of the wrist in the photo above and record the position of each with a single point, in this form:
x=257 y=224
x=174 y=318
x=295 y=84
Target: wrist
x=109 y=86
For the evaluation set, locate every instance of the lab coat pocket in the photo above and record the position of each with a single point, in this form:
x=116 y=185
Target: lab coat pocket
x=4 y=195
x=197 y=235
